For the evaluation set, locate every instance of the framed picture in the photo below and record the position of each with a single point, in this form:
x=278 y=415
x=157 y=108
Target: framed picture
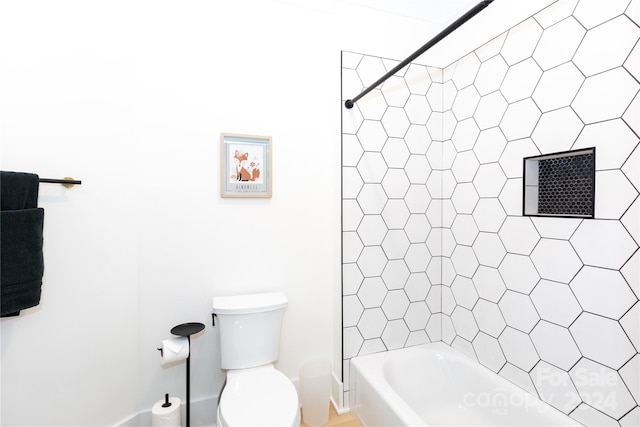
x=245 y=165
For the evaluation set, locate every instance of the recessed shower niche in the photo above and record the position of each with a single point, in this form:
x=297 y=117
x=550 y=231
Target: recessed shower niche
x=560 y=184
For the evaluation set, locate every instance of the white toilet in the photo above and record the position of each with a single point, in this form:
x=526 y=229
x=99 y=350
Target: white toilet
x=255 y=392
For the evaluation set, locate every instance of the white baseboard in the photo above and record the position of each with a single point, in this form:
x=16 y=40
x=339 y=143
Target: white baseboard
x=202 y=413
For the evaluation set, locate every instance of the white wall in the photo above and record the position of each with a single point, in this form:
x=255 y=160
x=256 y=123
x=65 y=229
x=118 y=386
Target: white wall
x=131 y=97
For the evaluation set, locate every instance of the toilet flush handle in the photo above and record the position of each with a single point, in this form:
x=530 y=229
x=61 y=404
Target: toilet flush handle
x=213 y=319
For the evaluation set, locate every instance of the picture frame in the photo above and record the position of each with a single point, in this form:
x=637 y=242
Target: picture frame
x=245 y=165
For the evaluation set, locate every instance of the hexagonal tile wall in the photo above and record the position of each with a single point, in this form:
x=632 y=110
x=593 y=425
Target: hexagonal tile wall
x=435 y=245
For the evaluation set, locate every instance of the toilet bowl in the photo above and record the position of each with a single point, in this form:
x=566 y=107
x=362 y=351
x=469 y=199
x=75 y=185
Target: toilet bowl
x=260 y=396
x=255 y=392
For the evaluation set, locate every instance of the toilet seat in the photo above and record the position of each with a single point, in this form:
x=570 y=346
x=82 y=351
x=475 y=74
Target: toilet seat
x=260 y=396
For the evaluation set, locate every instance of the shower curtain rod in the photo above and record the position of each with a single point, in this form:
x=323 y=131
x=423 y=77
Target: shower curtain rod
x=451 y=28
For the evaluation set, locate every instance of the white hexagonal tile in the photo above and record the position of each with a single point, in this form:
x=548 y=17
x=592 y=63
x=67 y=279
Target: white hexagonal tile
x=489 y=249
x=464 y=229
x=370 y=69
x=557 y=130
x=417 y=316
x=465 y=134
x=372 y=106
x=630 y=374
x=464 y=260
x=434 y=96
x=448 y=155
x=351 y=247
x=555 y=387
x=521 y=41
x=351 y=279
x=417 y=109
x=606 y=46
x=556 y=228
x=434 y=327
x=591 y=379
x=558 y=86
x=612 y=348
x=613 y=204
x=417 y=228
x=464 y=292
x=605 y=96
x=602 y=291
x=518 y=235
x=351 y=310
x=632 y=64
x=351 y=150
x=395 y=153
x=556 y=260
x=464 y=347
x=465 y=197
x=465 y=103
x=555 y=345
x=631 y=324
x=555 y=12
x=372 y=261
x=395 y=122
x=631 y=272
x=518 y=348
x=372 y=167
x=417 y=287
x=352 y=341
x=490 y=75
x=464 y=323
x=417 y=257
x=447 y=242
x=511 y=159
x=395 y=214
x=417 y=198
x=434 y=242
x=351 y=183
x=449 y=92
x=351 y=81
x=417 y=139
x=520 y=119
x=395 y=183
x=519 y=377
x=555 y=302
x=518 y=311
x=395 y=244
x=558 y=43
x=632 y=419
x=630 y=168
x=395 y=91
x=489 y=352
x=395 y=304
x=489 y=283
x=434 y=299
x=489 y=318
x=351 y=120
x=591 y=12
x=466 y=71
x=448 y=330
x=418 y=79
x=372 y=323
x=489 y=215
x=465 y=166
x=395 y=274
x=521 y=80
x=434 y=184
x=603 y=243
x=372 y=135
x=602 y=135
x=449 y=124
x=417 y=169
x=435 y=155
x=372 y=198
x=588 y=416
x=372 y=292
x=490 y=111
x=489 y=180
x=518 y=273
x=351 y=215
x=372 y=230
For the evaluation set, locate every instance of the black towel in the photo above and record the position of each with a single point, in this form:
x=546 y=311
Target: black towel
x=21 y=259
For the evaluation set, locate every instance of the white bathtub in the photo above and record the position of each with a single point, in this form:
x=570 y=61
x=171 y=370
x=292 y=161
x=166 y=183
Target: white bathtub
x=436 y=385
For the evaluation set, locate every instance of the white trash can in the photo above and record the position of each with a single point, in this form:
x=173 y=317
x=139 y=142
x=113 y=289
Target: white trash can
x=315 y=390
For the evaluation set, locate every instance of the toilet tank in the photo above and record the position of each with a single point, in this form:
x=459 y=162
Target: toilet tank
x=249 y=327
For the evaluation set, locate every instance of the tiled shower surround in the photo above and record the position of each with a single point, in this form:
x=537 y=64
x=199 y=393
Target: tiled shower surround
x=435 y=246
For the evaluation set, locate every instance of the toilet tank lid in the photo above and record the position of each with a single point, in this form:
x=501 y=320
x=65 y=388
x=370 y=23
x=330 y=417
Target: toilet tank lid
x=251 y=303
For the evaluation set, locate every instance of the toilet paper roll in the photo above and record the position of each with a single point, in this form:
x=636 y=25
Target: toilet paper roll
x=170 y=416
x=175 y=349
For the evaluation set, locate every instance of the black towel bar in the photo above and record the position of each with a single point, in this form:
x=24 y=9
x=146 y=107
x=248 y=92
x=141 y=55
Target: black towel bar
x=66 y=181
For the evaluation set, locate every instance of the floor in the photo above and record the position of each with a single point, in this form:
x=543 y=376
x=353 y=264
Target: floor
x=335 y=420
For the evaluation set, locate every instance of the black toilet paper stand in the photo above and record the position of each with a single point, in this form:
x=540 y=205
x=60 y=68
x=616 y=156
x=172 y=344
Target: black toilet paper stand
x=186 y=330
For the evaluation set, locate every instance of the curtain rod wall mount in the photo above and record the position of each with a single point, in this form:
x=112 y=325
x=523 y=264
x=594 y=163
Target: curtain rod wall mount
x=349 y=103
